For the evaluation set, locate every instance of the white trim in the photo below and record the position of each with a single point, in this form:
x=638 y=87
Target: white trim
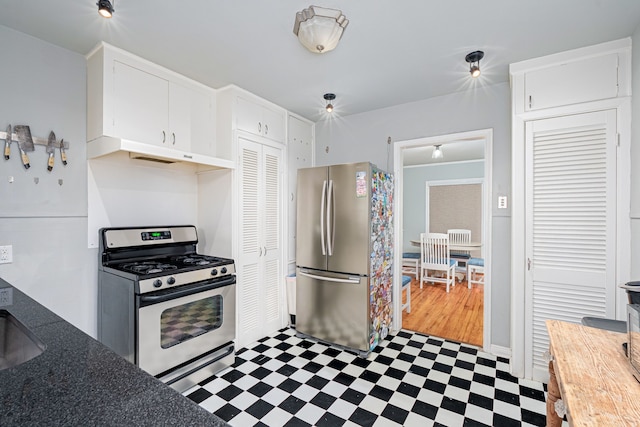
x=399 y=146
x=615 y=46
x=500 y=351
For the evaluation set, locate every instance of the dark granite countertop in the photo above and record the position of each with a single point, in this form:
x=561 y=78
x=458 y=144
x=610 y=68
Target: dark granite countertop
x=79 y=381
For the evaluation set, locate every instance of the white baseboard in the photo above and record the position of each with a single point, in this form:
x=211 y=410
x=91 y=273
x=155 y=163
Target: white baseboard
x=500 y=351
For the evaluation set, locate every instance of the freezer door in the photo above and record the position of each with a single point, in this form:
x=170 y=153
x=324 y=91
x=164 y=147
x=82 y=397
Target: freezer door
x=348 y=205
x=333 y=308
x=311 y=218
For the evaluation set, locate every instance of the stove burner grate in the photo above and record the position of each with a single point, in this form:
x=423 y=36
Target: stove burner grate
x=148 y=267
x=195 y=259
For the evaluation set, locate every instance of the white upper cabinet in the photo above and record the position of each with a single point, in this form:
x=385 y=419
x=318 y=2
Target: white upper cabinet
x=570 y=83
x=260 y=118
x=129 y=98
x=241 y=110
x=590 y=74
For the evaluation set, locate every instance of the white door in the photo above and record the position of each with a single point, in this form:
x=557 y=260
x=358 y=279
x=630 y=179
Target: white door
x=260 y=273
x=570 y=225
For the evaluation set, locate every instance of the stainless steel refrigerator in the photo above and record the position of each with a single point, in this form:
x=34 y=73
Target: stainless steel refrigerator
x=344 y=253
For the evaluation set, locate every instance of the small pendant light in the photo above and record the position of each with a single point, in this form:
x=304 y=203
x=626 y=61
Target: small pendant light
x=329 y=97
x=437 y=152
x=105 y=8
x=473 y=59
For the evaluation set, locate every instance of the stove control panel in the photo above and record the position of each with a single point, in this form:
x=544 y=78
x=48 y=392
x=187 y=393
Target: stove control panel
x=185 y=278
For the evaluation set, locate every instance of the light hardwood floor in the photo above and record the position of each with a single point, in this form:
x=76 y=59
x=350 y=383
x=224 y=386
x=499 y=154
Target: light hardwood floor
x=457 y=315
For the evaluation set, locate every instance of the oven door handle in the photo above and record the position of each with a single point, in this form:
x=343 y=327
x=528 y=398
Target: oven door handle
x=189 y=290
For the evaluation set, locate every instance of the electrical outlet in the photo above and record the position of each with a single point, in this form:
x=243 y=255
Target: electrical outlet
x=6 y=254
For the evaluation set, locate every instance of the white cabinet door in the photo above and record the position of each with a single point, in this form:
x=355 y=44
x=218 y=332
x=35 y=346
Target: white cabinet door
x=141 y=105
x=249 y=116
x=586 y=80
x=179 y=117
x=191 y=126
x=260 y=260
x=571 y=217
x=300 y=146
x=273 y=120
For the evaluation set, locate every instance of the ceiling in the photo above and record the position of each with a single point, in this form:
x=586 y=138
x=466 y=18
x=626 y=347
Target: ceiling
x=392 y=52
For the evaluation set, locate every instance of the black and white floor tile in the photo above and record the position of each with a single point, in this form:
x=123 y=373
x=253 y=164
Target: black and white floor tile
x=409 y=380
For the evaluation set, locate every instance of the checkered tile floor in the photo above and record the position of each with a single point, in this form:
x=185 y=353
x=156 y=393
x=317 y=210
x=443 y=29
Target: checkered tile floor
x=409 y=380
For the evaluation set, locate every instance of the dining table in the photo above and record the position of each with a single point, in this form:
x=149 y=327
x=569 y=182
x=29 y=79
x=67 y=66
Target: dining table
x=471 y=246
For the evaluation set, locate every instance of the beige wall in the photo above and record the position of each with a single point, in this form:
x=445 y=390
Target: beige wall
x=456 y=206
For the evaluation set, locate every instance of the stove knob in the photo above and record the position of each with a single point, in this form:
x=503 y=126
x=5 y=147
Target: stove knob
x=223 y=270
x=157 y=283
x=171 y=280
x=214 y=272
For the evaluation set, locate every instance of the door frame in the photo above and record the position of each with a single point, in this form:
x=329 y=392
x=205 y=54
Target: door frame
x=487 y=136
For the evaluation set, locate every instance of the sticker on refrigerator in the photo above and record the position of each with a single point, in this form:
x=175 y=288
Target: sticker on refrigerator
x=361 y=184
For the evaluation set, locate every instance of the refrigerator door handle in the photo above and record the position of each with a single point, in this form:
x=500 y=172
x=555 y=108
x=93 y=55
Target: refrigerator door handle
x=322 y=203
x=330 y=215
x=354 y=280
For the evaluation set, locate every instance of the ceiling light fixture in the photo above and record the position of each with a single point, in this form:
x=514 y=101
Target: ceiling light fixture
x=319 y=29
x=437 y=152
x=329 y=97
x=105 y=9
x=473 y=59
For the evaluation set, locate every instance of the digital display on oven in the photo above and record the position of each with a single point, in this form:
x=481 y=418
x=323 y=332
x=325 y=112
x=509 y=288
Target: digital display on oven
x=156 y=235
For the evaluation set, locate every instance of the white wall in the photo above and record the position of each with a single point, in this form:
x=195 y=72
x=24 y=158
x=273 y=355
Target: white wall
x=43 y=86
x=363 y=137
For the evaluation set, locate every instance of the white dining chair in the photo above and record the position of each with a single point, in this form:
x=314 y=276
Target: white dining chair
x=406 y=286
x=436 y=265
x=460 y=236
x=475 y=266
x=411 y=264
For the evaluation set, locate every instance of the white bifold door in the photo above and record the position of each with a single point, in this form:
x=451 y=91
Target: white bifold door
x=570 y=225
x=260 y=272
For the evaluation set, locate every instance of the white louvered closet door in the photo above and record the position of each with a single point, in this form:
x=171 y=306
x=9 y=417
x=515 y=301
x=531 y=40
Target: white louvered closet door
x=260 y=258
x=271 y=238
x=570 y=218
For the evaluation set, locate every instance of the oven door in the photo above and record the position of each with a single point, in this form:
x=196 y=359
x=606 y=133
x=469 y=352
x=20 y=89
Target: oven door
x=181 y=324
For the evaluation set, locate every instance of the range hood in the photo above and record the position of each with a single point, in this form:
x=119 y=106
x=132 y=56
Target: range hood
x=106 y=145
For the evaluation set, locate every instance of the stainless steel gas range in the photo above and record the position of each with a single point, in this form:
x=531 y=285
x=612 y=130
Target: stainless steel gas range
x=163 y=306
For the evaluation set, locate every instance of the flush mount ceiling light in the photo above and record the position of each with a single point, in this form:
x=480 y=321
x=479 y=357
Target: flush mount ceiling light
x=319 y=29
x=473 y=59
x=105 y=9
x=437 y=152
x=329 y=97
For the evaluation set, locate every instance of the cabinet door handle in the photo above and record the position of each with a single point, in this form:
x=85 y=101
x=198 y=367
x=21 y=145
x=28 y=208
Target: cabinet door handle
x=260 y=251
x=266 y=129
x=164 y=136
x=265 y=251
x=259 y=127
x=173 y=135
x=530 y=101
